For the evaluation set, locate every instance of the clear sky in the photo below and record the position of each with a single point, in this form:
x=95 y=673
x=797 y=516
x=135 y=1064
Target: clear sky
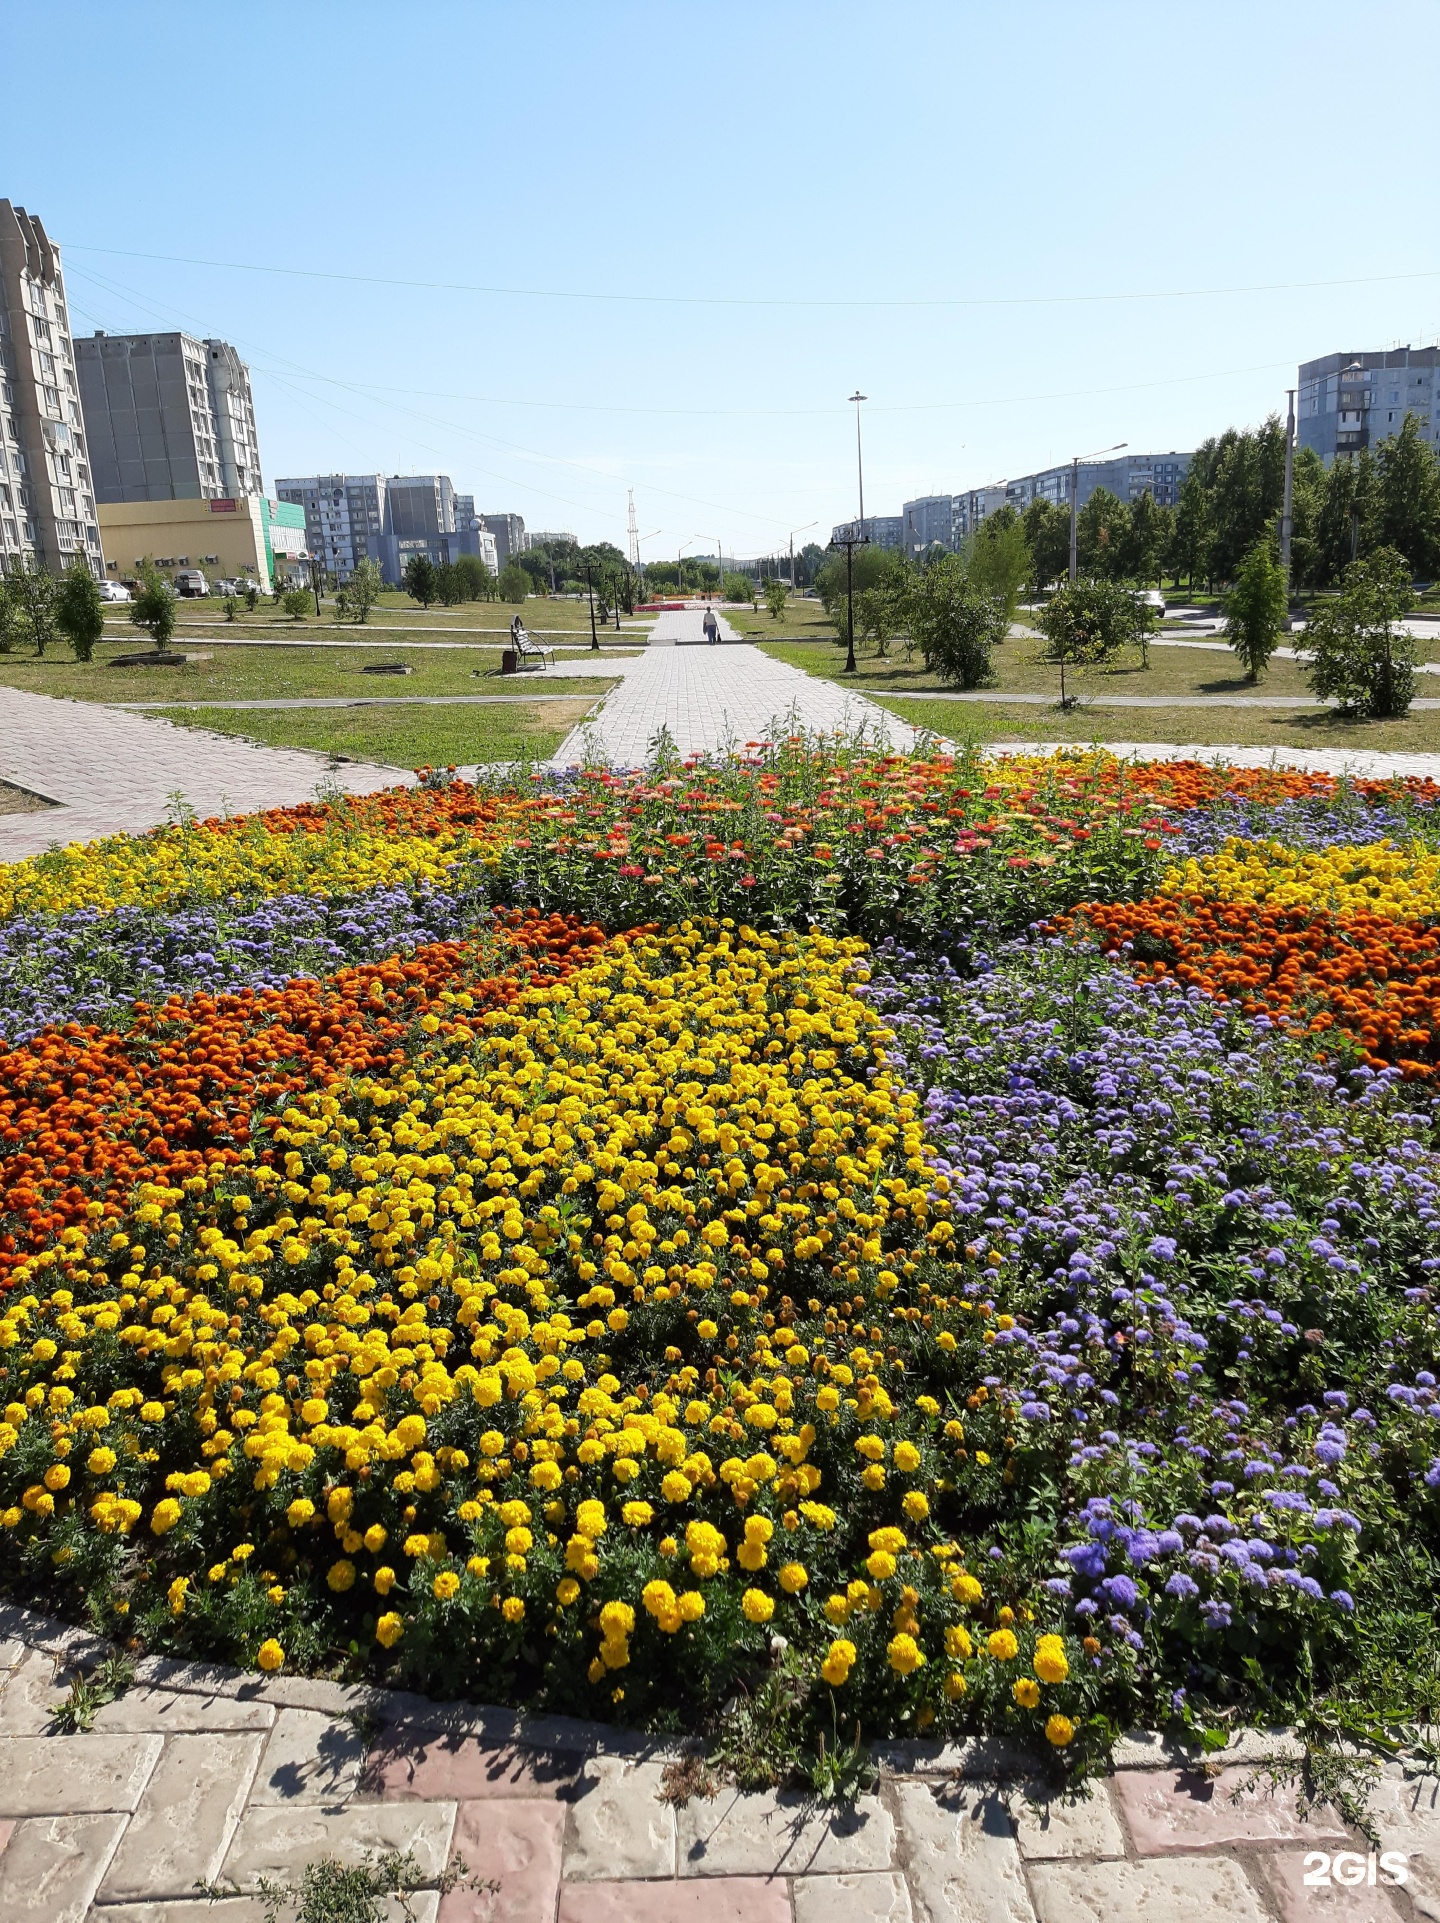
x=656 y=246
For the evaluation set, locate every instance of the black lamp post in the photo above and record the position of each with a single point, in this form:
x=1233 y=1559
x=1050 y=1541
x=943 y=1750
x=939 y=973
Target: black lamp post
x=590 y=585
x=849 y=539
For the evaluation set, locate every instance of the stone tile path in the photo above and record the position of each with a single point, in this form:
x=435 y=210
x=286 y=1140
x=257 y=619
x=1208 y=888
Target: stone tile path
x=201 y=1775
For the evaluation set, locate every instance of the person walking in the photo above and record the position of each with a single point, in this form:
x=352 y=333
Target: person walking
x=711 y=627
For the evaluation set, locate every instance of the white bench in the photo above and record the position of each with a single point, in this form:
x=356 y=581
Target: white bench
x=526 y=649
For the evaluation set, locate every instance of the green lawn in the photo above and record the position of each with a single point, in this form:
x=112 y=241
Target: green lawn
x=257 y=674
x=404 y=737
x=801 y=621
x=396 y=610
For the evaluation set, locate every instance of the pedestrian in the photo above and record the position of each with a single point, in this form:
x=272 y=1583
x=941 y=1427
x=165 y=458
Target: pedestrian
x=711 y=626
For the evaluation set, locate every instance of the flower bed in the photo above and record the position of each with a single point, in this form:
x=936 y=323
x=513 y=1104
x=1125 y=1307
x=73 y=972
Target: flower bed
x=974 y=1224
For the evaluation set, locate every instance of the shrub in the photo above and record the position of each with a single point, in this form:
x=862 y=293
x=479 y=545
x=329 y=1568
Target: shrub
x=1361 y=657
x=956 y=624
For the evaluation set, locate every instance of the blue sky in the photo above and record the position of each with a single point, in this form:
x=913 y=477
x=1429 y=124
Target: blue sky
x=937 y=203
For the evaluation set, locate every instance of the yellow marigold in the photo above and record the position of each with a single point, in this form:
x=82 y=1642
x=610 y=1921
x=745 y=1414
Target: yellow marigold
x=1051 y=1663
x=314 y=1410
x=513 y=1609
x=906 y=1456
x=164 y=1516
x=965 y=1589
x=389 y=1630
x=955 y=1685
x=1059 y=1730
x=890 y=1539
x=375 y=1538
x=617 y=1619
x=837 y=1609
x=57 y=1476
x=446 y=1585
x=417 y=1545
x=839 y=1661
x=479 y=1567
x=384 y=1580
x=793 y=1577
x=269 y=1655
x=915 y=1505
x=175 y=1595
x=566 y=1590
x=958 y=1646
x=904 y=1654
x=751 y=1555
x=757 y=1606
x=658 y=1598
x=152 y=1412
x=691 y=1605
x=299 y=1512
x=340 y=1576
x=637 y=1515
x=1026 y=1692
x=590 y=1519
x=880 y=1564
x=1002 y=1645
x=100 y=1461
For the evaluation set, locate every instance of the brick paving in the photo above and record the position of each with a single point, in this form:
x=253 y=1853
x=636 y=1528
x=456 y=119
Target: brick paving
x=201 y=1774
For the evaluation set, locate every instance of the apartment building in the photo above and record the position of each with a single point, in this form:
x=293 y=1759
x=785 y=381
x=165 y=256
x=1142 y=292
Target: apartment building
x=47 y=495
x=881 y=530
x=170 y=418
x=928 y=520
x=1127 y=476
x=1349 y=401
x=509 y=533
x=344 y=517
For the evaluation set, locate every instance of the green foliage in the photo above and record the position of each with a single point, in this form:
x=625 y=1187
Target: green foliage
x=154 y=607
x=1243 y=474
x=1147 y=539
x=251 y=592
x=296 y=603
x=231 y=606
x=1408 y=516
x=1190 y=534
x=31 y=595
x=1088 y=621
x=514 y=582
x=449 y=587
x=79 y=611
x=90 y=1693
x=998 y=559
x=333 y=1892
x=477 y=583
x=1362 y=658
x=1047 y=531
x=956 y=623
x=1307 y=503
x=1102 y=535
x=1349 y=514
x=737 y=587
x=777 y=593
x=1255 y=609
x=363 y=588
x=418 y=579
x=869 y=568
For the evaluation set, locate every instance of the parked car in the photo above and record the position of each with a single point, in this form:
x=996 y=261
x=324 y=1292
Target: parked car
x=229 y=586
x=1153 y=598
x=113 y=591
x=190 y=583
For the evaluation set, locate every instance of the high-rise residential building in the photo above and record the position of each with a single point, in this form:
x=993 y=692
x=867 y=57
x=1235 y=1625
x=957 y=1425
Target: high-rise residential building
x=971 y=508
x=47 y=496
x=928 y=520
x=170 y=418
x=345 y=518
x=881 y=530
x=1127 y=476
x=1349 y=401
x=509 y=532
x=421 y=506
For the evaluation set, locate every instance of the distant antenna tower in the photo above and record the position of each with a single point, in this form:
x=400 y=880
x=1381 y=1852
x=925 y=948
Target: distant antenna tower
x=634 y=535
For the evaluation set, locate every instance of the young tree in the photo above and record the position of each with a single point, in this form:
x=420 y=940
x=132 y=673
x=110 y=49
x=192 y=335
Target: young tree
x=153 y=608
x=1255 y=608
x=735 y=586
x=419 y=579
x=1309 y=497
x=514 y=582
x=252 y=595
x=956 y=625
x=1091 y=620
x=1047 y=532
x=296 y=603
x=1409 y=505
x=998 y=559
x=362 y=590
x=1190 y=534
x=1349 y=514
x=777 y=593
x=1102 y=532
x=32 y=598
x=476 y=580
x=1361 y=656
x=79 y=611
x=1144 y=540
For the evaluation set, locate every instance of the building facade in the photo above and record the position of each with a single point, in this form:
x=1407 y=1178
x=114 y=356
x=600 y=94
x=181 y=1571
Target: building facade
x=247 y=536
x=971 y=508
x=928 y=520
x=881 y=530
x=1127 y=476
x=171 y=418
x=509 y=533
x=1349 y=401
x=344 y=518
x=47 y=494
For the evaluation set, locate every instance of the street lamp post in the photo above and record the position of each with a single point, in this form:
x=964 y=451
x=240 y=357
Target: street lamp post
x=594 y=637
x=1287 y=518
x=853 y=538
x=857 y=397
x=1074 y=489
x=793 y=532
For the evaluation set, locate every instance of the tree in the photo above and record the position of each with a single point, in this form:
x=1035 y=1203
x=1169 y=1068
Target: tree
x=476 y=579
x=871 y=566
x=735 y=586
x=1360 y=655
x=1190 y=533
x=514 y=582
x=449 y=585
x=1102 y=531
x=296 y=603
x=362 y=590
x=1349 y=513
x=79 y=611
x=1144 y=541
x=1308 y=499
x=1091 y=620
x=418 y=579
x=777 y=593
x=998 y=559
x=252 y=595
x=1047 y=532
x=955 y=623
x=32 y=598
x=1255 y=608
x=154 y=607
x=1408 y=517
x=808 y=563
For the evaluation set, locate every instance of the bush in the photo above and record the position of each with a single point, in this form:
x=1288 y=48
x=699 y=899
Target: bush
x=363 y=589
x=1092 y=620
x=956 y=625
x=79 y=611
x=154 y=607
x=296 y=603
x=514 y=582
x=1362 y=658
x=1255 y=608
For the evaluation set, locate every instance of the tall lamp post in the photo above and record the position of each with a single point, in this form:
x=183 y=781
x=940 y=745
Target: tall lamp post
x=857 y=397
x=1074 y=489
x=1287 y=515
x=793 y=532
x=850 y=539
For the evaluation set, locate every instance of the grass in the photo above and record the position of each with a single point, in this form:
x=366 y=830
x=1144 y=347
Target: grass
x=801 y=621
x=963 y=721
x=404 y=737
x=260 y=674
x=394 y=610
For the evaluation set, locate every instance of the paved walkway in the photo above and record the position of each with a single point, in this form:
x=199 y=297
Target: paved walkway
x=205 y=1775
x=1117 y=700
x=1371 y=764
x=111 y=772
x=706 y=696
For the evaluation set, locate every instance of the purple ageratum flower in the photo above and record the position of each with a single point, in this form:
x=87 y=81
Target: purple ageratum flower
x=1121 y=1591
x=1216 y=1614
x=1182 y=1586
x=1343 y=1601
x=1087 y=1559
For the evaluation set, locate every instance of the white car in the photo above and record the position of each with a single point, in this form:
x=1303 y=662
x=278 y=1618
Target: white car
x=1153 y=598
x=113 y=591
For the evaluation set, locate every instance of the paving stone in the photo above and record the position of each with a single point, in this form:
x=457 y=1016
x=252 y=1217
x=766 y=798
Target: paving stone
x=53 y=1864
x=171 y=1711
x=466 y=1770
x=28 y=1696
x=1407 y=1815
x=713 y=1899
x=778 y=1833
x=1145 y=1749
x=250 y=1909
x=1202 y=1889
x=73 y=1775
x=279 y=1842
x=7 y=1825
x=1172 y=1810
x=957 y=1848
x=1281 y=1875
x=519 y=1845
x=12 y=1651
x=873 y=1896
x=1049 y=1826
x=618 y=1826
x=309 y=1758
x=184 y=1823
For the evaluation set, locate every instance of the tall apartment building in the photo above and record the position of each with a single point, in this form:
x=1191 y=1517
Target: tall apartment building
x=1349 y=401
x=971 y=508
x=928 y=520
x=344 y=517
x=881 y=530
x=47 y=496
x=509 y=532
x=387 y=518
x=170 y=418
x=1126 y=475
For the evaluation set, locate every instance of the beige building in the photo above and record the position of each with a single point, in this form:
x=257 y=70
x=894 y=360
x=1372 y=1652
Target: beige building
x=47 y=498
x=249 y=537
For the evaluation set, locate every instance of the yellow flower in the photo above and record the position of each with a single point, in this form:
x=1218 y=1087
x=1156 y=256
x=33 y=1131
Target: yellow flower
x=904 y=1654
x=1051 y=1663
x=389 y=1630
x=164 y=1516
x=906 y=1456
x=837 y=1609
x=270 y=1655
x=793 y=1577
x=590 y=1519
x=617 y=1619
x=100 y=1461
x=757 y=1606
x=958 y=1646
x=513 y=1609
x=566 y=1590
x=384 y=1580
x=446 y=1585
x=965 y=1589
x=1059 y=1730
x=175 y=1595
x=636 y=1515
x=299 y=1512
x=341 y=1576
x=955 y=1685
x=839 y=1661
x=658 y=1598
x=880 y=1564
x=1026 y=1692
x=691 y=1605
x=58 y=1475
x=915 y=1505
x=1002 y=1645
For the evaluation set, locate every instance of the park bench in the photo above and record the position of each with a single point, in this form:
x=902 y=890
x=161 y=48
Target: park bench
x=524 y=650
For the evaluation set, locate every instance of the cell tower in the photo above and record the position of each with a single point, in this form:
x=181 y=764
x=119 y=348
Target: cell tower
x=634 y=535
